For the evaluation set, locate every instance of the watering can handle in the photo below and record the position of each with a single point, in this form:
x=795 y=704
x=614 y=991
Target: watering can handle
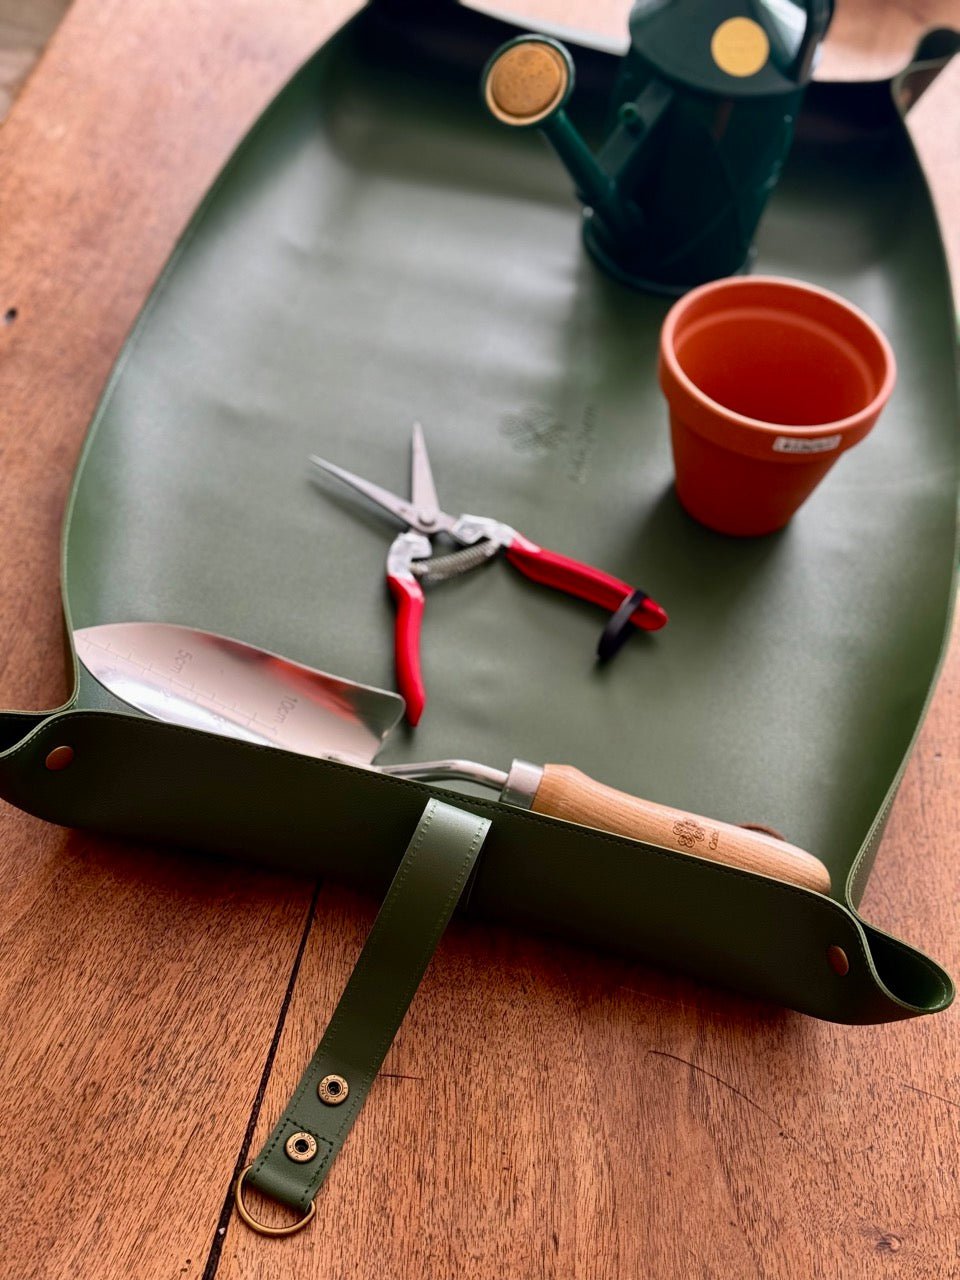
x=819 y=14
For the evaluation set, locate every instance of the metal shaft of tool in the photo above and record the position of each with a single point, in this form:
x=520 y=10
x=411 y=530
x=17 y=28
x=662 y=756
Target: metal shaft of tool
x=518 y=787
x=448 y=770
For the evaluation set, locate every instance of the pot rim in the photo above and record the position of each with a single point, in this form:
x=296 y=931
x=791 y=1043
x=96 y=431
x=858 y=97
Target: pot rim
x=727 y=288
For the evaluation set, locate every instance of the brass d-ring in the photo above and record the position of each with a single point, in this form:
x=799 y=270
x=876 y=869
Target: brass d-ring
x=261 y=1227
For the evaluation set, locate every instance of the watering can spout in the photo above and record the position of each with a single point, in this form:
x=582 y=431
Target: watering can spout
x=526 y=85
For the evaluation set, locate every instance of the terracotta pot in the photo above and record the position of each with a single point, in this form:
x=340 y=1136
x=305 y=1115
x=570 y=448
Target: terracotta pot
x=768 y=381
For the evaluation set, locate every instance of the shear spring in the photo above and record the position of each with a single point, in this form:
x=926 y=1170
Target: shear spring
x=440 y=568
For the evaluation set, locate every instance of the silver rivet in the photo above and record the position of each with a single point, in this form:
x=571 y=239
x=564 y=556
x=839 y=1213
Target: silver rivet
x=301 y=1147
x=333 y=1090
x=59 y=758
x=837 y=960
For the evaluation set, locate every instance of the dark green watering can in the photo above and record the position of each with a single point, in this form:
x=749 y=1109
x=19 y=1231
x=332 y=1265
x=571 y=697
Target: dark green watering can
x=703 y=116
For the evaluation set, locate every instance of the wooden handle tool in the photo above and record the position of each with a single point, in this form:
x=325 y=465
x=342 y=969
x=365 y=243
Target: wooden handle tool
x=565 y=792
x=560 y=791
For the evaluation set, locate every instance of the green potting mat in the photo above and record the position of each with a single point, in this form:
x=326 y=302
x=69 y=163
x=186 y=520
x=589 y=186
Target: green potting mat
x=380 y=251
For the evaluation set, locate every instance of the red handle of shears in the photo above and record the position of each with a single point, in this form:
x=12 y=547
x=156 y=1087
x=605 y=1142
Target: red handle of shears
x=583 y=580
x=408 y=596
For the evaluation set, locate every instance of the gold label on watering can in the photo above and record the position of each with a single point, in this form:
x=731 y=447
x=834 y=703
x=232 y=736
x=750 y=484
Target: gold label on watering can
x=740 y=47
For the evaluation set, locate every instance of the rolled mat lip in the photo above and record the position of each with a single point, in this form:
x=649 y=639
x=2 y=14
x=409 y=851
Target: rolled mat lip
x=754 y=436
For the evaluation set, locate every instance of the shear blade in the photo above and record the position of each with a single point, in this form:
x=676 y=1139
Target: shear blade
x=422 y=488
x=398 y=507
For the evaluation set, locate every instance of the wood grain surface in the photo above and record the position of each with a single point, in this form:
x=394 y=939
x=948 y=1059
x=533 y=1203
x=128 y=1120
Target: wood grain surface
x=568 y=793
x=544 y=1112
x=25 y=27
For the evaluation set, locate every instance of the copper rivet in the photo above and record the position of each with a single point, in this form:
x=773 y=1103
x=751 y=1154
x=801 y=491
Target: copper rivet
x=837 y=959
x=301 y=1147
x=59 y=758
x=333 y=1090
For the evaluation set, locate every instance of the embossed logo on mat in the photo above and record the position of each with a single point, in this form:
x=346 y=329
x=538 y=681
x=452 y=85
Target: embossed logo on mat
x=539 y=431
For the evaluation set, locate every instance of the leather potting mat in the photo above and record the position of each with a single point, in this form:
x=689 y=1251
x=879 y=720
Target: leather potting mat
x=379 y=251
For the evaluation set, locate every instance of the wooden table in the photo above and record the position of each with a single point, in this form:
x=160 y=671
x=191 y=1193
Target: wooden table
x=158 y=1006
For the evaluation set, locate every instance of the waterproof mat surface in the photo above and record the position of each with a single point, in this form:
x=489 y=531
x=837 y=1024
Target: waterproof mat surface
x=380 y=251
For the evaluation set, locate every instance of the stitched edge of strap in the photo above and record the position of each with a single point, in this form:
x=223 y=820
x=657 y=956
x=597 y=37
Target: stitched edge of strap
x=464 y=835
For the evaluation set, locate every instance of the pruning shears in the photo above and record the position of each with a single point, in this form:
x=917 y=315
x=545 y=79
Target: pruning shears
x=411 y=563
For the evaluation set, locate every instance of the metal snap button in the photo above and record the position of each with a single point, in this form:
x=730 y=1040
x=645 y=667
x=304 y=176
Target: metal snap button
x=301 y=1147
x=333 y=1090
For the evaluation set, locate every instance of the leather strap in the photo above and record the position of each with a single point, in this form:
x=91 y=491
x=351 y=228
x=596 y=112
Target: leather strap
x=425 y=890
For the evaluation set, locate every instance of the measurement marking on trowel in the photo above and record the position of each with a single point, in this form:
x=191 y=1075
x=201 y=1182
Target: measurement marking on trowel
x=170 y=683
x=206 y=681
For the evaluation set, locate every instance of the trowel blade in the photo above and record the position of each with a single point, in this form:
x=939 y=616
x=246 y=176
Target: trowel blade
x=206 y=681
